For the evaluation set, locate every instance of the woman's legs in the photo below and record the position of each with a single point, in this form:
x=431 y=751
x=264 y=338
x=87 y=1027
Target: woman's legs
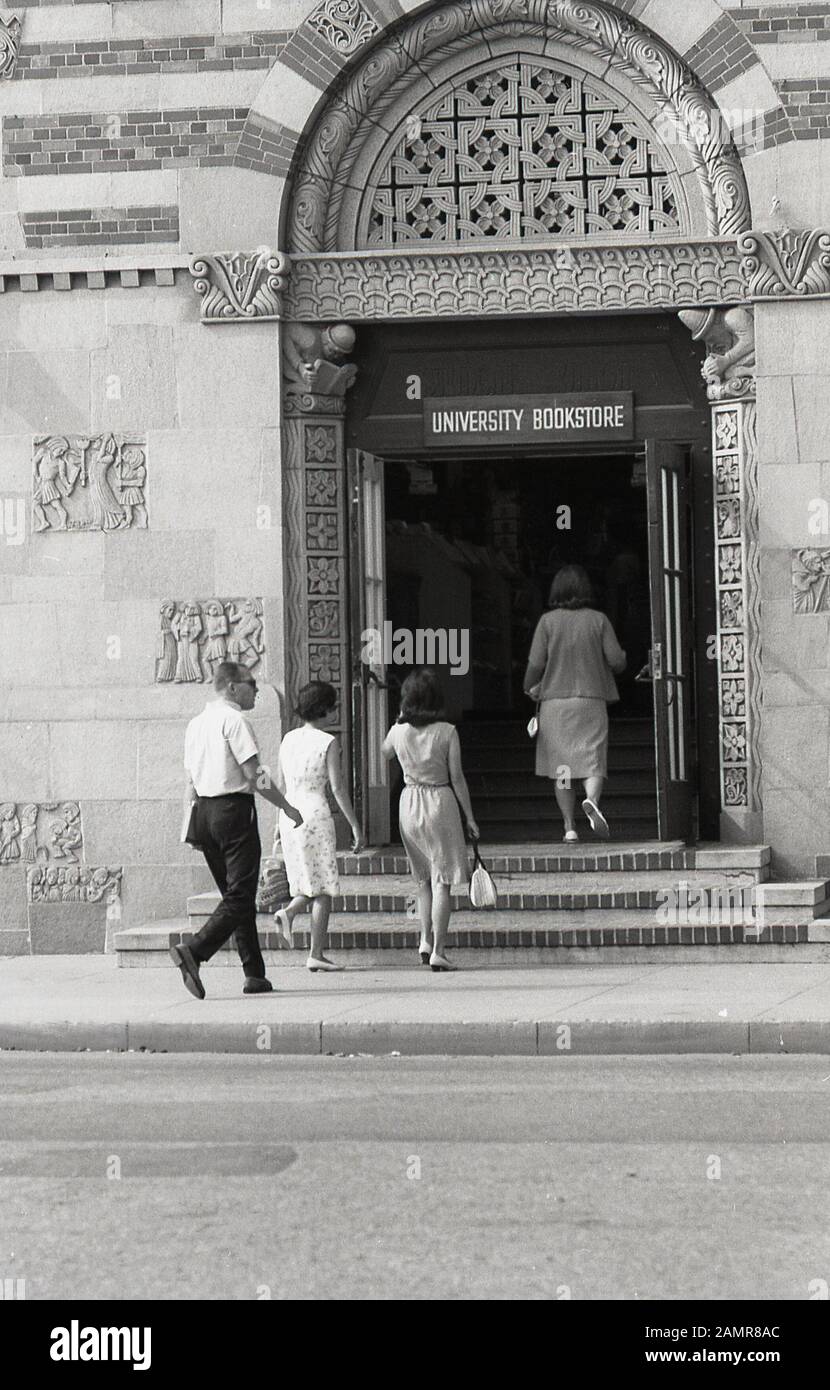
x=424 y=891
x=566 y=801
x=295 y=907
x=593 y=788
x=441 y=909
x=320 y=910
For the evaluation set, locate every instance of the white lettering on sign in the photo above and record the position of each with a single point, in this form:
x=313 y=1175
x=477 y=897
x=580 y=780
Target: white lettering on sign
x=578 y=417
x=476 y=421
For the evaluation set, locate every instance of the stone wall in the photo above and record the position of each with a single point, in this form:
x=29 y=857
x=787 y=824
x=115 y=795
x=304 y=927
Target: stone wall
x=116 y=383
x=793 y=382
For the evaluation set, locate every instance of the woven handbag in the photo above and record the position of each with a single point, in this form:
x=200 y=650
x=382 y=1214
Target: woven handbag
x=483 y=891
x=272 y=891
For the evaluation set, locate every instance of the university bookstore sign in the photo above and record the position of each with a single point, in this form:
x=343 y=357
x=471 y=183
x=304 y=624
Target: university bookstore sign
x=543 y=419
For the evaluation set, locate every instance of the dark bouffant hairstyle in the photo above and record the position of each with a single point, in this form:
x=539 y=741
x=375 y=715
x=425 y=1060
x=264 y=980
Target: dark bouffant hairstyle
x=571 y=588
x=422 y=700
x=316 y=700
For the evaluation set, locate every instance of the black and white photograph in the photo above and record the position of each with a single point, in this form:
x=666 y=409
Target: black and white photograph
x=414 y=670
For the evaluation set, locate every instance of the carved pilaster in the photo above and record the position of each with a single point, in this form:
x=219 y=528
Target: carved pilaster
x=316 y=380
x=729 y=373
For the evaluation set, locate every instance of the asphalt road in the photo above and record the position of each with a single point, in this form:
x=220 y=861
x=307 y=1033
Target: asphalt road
x=180 y=1177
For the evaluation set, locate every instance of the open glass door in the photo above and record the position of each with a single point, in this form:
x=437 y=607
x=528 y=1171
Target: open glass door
x=671 y=642
x=367 y=593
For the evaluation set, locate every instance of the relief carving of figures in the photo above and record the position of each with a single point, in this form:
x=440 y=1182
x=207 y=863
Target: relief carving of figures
x=729 y=335
x=9 y=45
x=9 y=834
x=811 y=581
x=313 y=359
x=79 y=884
x=197 y=635
x=29 y=836
x=88 y=484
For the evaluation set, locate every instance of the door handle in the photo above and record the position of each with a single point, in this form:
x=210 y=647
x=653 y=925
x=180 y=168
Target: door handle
x=653 y=669
x=372 y=679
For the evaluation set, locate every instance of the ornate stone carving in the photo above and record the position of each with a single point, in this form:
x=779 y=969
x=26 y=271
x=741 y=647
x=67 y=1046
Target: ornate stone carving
x=344 y=24
x=31 y=834
x=88 y=484
x=545 y=280
x=197 y=635
x=811 y=580
x=241 y=286
x=9 y=45
x=313 y=359
x=520 y=149
x=729 y=335
x=737 y=584
x=79 y=884
x=460 y=34
x=785 y=263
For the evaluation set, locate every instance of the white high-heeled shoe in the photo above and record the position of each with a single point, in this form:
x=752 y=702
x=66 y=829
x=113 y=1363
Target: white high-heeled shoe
x=284 y=928
x=437 y=963
x=313 y=964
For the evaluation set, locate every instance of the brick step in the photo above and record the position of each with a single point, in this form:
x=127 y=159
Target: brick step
x=515 y=782
x=721 y=898
x=548 y=829
x=488 y=760
x=530 y=805
x=589 y=856
x=635 y=735
x=550 y=932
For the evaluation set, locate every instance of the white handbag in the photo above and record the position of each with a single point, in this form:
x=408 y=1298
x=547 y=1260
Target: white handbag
x=533 y=722
x=483 y=891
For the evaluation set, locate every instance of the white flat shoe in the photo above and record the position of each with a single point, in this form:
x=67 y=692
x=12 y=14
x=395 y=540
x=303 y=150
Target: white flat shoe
x=437 y=962
x=599 y=824
x=570 y=837
x=313 y=965
x=424 y=951
x=284 y=927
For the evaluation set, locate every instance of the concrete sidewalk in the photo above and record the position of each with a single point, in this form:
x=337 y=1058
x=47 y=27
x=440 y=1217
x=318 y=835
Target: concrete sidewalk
x=71 y=1003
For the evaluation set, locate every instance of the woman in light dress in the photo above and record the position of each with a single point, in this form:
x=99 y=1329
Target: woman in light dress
x=310 y=763
x=571 y=672
x=429 y=752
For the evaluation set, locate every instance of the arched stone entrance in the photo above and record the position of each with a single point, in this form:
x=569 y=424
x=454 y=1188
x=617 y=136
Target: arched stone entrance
x=510 y=158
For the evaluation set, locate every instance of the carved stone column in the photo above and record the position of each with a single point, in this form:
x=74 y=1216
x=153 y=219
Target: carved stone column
x=315 y=511
x=730 y=385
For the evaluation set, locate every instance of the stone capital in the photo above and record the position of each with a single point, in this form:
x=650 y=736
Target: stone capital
x=241 y=286
x=785 y=263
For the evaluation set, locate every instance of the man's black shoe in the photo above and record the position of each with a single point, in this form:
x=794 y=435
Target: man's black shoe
x=183 y=957
x=253 y=985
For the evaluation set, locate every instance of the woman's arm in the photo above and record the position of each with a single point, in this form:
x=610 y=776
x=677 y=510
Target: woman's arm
x=341 y=795
x=537 y=660
x=388 y=746
x=612 y=651
x=459 y=783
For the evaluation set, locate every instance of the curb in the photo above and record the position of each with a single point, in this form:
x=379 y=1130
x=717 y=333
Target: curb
x=546 y=1038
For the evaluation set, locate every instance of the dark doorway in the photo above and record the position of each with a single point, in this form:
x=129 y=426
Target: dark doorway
x=472 y=547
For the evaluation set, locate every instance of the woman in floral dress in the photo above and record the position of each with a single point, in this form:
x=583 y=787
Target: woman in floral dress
x=309 y=764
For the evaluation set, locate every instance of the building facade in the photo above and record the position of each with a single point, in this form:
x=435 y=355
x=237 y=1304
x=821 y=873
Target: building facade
x=308 y=304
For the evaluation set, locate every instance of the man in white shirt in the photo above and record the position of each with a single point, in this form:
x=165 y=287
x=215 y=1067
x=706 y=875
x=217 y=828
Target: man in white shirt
x=223 y=768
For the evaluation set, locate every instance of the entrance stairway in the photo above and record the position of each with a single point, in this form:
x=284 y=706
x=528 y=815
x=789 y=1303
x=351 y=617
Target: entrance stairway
x=512 y=804
x=656 y=902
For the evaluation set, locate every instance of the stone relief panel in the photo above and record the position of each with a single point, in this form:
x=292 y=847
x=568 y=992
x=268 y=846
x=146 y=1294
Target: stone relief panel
x=245 y=285
x=811 y=580
x=79 y=883
x=784 y=263
x=344 y=24
x=9 y=45
x=82 y=483
x=197 y=634
x=41 y=833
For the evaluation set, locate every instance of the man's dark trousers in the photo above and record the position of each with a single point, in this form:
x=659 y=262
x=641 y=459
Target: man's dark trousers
x=226 y=830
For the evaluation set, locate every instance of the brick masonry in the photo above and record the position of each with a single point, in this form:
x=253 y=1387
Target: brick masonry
x=807 y=103
x=784 y=23
x=721 y=54
x=91 y=142
x=125 y=57
x=99 y=226
x=267 y=146
x=771 y=128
